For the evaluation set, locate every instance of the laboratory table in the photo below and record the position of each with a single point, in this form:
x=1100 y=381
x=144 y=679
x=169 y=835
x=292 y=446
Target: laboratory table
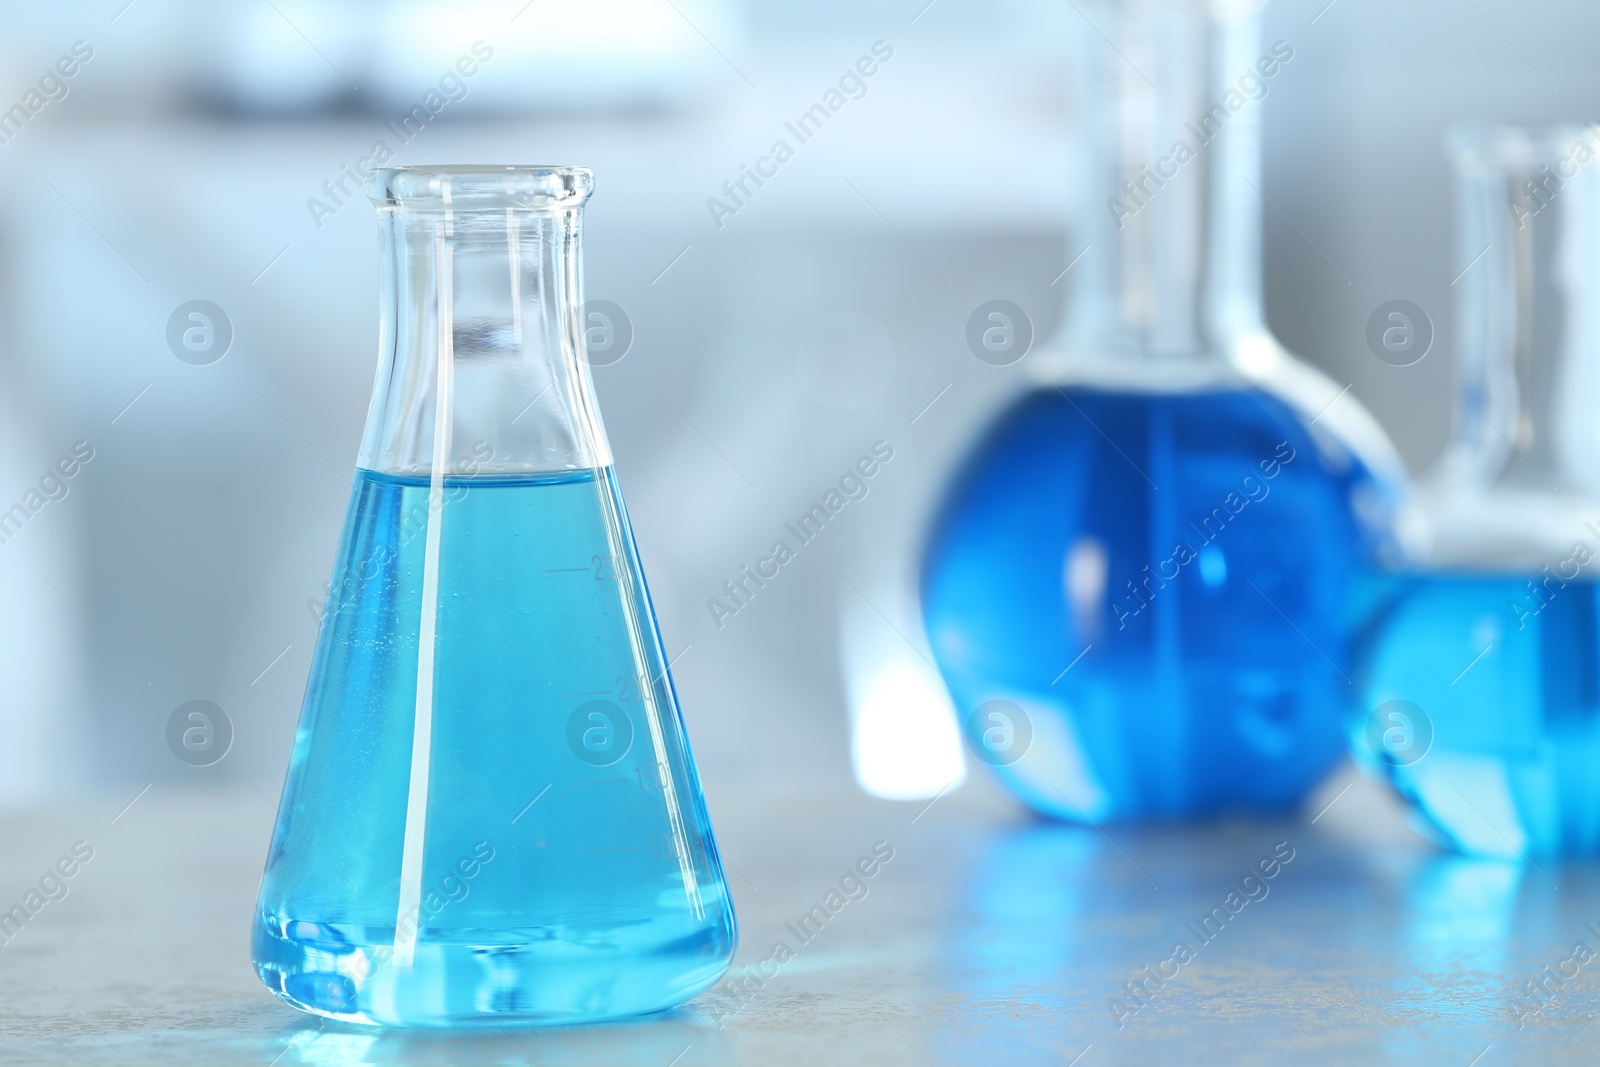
x=1334 y=936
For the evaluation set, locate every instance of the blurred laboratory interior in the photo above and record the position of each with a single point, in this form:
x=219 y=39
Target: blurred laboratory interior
x=170 y=151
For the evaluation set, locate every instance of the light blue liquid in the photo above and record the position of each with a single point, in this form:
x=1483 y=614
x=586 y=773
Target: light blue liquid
x=1216 y=683
x=568 y=870
x=1504 y=673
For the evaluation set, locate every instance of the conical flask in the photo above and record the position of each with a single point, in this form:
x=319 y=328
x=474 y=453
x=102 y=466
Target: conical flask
x=1482 y=679
x=1142 y=584
x=491 y=813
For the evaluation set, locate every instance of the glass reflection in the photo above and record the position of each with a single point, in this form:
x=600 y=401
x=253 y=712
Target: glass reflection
x=1247 y=941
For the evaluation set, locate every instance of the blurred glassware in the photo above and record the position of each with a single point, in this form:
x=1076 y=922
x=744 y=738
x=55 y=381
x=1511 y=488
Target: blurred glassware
x=1142 y=585
x=488 y=639
x=1482 y=680
x=43 y=724
x=545 y=56
x=287 y=57
x=905 y=743
x=392 y=57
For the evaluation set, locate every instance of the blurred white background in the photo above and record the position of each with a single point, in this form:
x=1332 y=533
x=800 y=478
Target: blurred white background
x=771 y=351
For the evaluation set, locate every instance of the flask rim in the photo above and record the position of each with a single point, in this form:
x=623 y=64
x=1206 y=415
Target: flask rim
x=466 y=187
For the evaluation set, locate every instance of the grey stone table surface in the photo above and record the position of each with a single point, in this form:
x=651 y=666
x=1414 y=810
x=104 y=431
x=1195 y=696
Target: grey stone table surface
x=989 y=937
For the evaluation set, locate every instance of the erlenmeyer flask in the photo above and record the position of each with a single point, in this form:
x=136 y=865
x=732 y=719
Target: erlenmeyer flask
x=491 y=813
x=1141 y=585
x=1482 y=680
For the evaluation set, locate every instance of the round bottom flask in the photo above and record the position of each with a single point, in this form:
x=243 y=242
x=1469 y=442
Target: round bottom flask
x=1155 y=586
x=1482 y=679
x=1140 y=586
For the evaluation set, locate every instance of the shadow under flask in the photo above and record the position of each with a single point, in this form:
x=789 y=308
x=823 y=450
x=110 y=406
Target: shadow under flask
x=491 y=813
x=1141 y=586
x=1482 y=679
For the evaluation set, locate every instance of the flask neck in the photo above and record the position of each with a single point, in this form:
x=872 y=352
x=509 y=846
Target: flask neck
x=1527 y=312
x=1170 y=95
x=481 y=363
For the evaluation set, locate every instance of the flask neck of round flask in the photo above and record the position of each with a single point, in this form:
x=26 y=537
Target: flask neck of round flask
x=1167 y=283
x=1519 y=483
x=1164 y=283
x=482 y=365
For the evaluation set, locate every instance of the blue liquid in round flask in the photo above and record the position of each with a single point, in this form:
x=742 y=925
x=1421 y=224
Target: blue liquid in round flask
x=491 y=814
x=1481 y=680
x=1141 y=585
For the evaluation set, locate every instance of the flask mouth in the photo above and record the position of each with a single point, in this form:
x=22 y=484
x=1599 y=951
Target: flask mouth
x=474 y=188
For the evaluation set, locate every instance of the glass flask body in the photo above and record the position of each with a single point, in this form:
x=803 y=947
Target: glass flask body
x=1141 y=586
x=1482 y=680
x=491 y=814
x=1159 y=585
